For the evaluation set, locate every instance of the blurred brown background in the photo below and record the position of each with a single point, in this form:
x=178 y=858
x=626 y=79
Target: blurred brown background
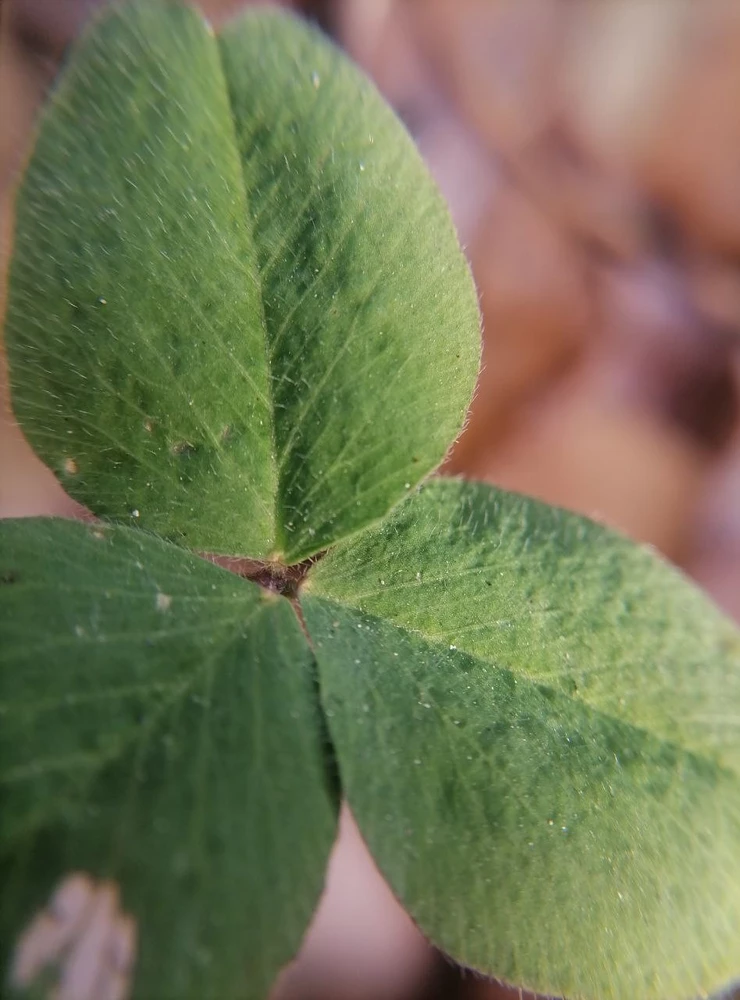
x=590 y=154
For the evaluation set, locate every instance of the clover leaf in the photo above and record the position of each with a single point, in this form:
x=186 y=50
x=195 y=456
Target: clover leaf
x=239 y=324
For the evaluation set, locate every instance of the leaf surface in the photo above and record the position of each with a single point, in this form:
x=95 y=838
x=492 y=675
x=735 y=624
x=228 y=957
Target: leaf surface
x=238 y=315
x=160 y=731
x=370 y=312
x=134 y=321
x=536 y=728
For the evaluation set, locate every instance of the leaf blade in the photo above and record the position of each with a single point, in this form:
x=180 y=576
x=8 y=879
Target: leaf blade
x=134 y=326
x=637 y=895
x=206 y=341
x=183 y=759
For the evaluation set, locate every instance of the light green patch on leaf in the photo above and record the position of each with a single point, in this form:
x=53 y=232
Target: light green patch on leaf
x=161 y=730
x=564 y=602
x=372 y=332
x=222 y=323
x=556 y=712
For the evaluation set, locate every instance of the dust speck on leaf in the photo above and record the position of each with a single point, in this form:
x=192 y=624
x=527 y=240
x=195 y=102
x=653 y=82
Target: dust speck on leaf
x=85 y=938
x=163 y=602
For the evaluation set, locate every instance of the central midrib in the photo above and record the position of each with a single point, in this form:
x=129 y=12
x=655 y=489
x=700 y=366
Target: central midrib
x=278 y=533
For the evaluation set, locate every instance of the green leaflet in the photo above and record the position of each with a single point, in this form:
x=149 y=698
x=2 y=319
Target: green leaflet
x=160 y=729
x=556 y=709
x=222 y=324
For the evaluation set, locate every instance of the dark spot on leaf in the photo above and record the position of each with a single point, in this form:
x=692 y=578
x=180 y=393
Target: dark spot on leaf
x=8 y=576
x=184 y=449
x=575 y=739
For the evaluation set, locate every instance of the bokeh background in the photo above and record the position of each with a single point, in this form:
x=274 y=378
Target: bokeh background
x=590 y=154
